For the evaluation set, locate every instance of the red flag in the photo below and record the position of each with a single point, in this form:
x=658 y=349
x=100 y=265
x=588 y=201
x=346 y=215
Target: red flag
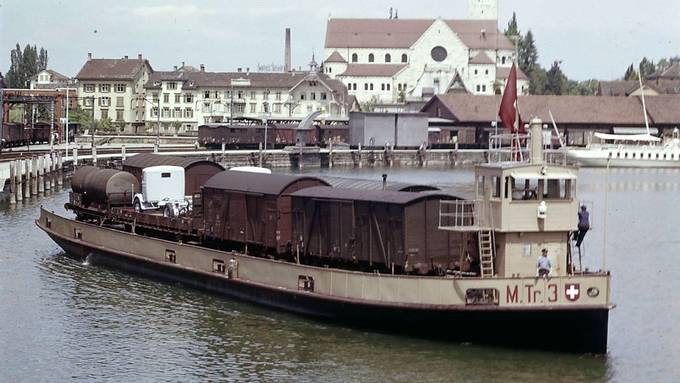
x=507 y=111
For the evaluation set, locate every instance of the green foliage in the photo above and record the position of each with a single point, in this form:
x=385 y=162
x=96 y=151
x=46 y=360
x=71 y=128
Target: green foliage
x=630 y=74
x=646 y=68
x=538 y=79
x=556 y=80
x=24 y=65
x=104 y=125
x=513 y=28
x=528 y=55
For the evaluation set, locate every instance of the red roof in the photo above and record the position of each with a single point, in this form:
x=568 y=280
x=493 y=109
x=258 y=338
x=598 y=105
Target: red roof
x=403 y=33
x=481 y=58
x=111 y=69
x=335 y=57
x=585 y=110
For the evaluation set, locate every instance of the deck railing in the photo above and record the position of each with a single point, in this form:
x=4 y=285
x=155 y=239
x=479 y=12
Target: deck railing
x=464 y=215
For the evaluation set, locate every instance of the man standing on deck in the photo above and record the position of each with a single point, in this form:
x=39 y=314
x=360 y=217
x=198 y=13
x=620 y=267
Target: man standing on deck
x=583 y=225
x=544 y=265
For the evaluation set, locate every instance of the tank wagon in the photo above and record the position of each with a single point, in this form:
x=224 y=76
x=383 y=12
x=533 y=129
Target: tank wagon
x=96 y=191
x=252 y=208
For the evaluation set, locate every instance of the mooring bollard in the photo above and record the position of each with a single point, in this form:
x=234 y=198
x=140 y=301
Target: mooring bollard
x=12 y=183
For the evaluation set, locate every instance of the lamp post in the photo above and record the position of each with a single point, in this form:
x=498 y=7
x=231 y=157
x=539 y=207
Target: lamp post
x=265 y=114
x=158 y=119
x=67 y=108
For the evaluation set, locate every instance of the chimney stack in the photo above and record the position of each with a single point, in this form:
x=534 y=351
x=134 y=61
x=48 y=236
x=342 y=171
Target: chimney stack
x=126 y=57
x=89 y=55
x=202 y=68
x=139 y=56
x=286 y=59
x=175 y=68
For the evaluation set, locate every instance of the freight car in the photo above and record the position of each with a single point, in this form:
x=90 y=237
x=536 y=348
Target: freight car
x=14 y=134
x=95 y=191
x=40 y=132
x=279 y=135
x=252 y=209
x=375 y=229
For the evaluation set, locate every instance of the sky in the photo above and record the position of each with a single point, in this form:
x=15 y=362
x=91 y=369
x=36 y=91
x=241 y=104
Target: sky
x=592 y=38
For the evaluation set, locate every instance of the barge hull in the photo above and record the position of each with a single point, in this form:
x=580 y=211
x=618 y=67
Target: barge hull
x=582 y=330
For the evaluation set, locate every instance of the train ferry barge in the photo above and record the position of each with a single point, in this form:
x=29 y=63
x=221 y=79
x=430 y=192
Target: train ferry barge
x=424 y=263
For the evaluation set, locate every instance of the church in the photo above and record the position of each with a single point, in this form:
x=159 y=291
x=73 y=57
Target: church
x=394 y=61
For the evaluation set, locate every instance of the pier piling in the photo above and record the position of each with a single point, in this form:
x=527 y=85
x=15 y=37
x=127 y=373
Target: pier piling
x=27 y=178
x=12 y=183
x=74 y=159
x=20 y=184
x=34 y=175
x=122 y=153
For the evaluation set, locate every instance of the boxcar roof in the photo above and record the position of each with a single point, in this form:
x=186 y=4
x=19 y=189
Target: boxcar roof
x=145 y=160
x=255 y=182
x=351 y=183
x=382 y=196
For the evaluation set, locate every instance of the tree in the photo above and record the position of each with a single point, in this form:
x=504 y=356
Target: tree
x=24 y=65
x=646 y=68
x=42 y=59
x=630 y=74
x=538 y=80
x=528 y=56
x=556 y=80
x=513 y=28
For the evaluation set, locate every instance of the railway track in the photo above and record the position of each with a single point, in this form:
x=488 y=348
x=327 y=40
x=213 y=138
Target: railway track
x=16 y=154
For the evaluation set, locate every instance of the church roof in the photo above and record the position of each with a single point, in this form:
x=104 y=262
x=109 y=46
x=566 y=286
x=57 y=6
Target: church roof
x=504 y=72
x=481 y=58
x=403 y=33
x=335 y=57
x=373 y=70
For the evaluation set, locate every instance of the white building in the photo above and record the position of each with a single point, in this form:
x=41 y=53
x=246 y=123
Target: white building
x=388 y=61
x=187 y=98
x=50 y=79
x=115 y=89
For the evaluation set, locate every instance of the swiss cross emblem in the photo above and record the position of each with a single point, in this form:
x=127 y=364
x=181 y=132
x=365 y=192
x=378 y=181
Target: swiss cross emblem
x=572 y=291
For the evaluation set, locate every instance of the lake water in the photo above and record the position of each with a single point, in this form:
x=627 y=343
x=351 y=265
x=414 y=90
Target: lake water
x=65 y=320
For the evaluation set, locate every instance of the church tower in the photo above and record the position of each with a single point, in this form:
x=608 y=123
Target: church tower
x=482 y=10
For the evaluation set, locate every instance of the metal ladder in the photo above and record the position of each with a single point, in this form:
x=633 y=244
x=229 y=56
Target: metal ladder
x=486 y=250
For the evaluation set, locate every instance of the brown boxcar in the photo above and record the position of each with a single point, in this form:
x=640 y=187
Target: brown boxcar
x=40 y=132
x=375 y=227
x=196 y=170
x=252 y=208
x=14 y=134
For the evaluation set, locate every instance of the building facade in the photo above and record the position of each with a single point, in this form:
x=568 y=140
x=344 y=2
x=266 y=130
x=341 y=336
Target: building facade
x=388 y=61
x=114 y=88
x=181 y=100
x=50 y=79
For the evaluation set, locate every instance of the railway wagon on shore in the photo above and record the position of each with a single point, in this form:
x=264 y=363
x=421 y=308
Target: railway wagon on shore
x=372 y=228
x=251 y=136
x=14 y=134
x=252 y=208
